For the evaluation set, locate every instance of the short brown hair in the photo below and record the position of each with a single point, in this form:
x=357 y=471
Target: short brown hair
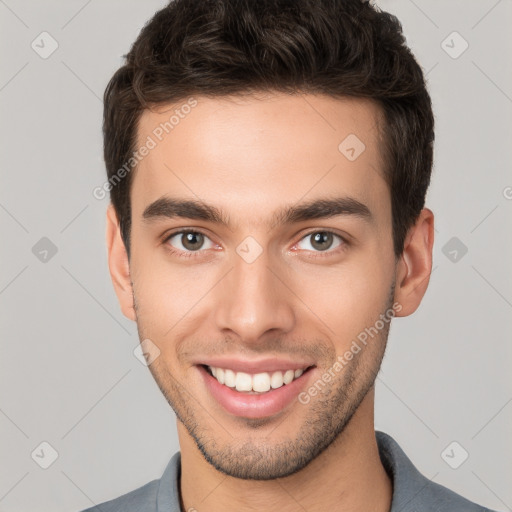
x=225 y=47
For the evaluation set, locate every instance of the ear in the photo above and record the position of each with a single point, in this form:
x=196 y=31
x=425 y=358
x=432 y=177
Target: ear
x=119 y=265
x=415 y=264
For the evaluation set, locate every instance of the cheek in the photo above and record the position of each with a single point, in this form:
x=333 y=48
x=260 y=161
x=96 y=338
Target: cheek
x=167 y=293
x=346 y=299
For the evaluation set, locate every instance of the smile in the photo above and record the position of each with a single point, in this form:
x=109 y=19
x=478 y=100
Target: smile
x=263 y=390
x=255 y=383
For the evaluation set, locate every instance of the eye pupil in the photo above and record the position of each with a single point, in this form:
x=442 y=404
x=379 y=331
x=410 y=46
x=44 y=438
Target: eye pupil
x=322 y=237
x=192 y=241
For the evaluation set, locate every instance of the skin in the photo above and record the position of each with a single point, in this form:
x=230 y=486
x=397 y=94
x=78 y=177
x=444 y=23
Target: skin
x=250 y=157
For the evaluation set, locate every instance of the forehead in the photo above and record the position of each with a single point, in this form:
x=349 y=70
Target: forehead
x=253 y=154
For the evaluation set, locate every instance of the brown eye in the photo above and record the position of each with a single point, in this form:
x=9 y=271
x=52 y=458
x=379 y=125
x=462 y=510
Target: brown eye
x=321 y=241
x=188 y=241
x=192 y=241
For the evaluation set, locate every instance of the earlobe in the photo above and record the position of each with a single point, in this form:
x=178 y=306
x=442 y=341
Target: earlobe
x=118 y=264
x=415 y=264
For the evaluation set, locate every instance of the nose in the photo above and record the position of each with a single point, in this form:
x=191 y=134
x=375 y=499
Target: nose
x=253 y=300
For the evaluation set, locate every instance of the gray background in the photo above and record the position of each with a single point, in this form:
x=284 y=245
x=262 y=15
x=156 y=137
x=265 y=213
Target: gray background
x=68 y=373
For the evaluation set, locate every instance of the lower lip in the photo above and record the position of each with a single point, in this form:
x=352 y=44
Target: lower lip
x=259 y=405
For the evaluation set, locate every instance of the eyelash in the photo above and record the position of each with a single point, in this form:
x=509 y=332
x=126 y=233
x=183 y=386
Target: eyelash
x=316 y=254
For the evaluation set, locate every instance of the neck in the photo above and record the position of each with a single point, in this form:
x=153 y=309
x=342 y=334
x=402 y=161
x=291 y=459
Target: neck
x=347 y=476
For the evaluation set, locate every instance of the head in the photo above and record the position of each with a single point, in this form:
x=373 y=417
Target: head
x=249 y=134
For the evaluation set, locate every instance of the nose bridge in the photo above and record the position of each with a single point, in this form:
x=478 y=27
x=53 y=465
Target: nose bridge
x=252 y=299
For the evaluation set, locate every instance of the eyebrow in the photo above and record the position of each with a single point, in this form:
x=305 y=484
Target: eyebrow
x=170 y=208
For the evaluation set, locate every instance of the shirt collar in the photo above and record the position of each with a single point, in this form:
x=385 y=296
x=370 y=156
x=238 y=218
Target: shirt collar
x=408 y=482
x=168 y=496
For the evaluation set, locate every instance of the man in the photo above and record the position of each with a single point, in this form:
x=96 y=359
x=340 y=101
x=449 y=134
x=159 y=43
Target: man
x=268 y=163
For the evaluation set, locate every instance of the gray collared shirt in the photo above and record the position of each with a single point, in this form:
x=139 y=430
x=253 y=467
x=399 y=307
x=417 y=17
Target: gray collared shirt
x=412 y=492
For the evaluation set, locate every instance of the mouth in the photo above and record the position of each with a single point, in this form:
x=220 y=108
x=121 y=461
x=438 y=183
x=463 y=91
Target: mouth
x=256 y=393
x=254 y=383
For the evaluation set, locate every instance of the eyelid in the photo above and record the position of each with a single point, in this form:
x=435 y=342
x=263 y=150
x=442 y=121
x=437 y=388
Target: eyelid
x=181 y=230
x=344 y=237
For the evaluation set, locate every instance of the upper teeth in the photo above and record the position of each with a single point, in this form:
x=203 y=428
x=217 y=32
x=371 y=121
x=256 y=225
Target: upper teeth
x=260 y=382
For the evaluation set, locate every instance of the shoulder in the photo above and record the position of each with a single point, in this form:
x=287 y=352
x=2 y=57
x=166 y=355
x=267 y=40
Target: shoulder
x=412 y=491
x=441 y=499
x=141 y=499
x=159 y=494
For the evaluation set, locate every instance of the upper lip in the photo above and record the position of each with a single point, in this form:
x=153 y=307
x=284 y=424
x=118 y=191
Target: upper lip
x=255 y=366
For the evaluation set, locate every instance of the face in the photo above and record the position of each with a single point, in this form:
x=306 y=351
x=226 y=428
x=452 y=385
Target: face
x=261 y=251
